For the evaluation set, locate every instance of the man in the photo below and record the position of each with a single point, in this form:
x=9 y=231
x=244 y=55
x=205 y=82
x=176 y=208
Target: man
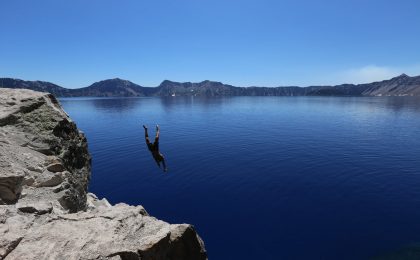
x=154 y=148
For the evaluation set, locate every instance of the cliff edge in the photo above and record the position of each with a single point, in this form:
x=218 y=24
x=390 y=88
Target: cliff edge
x=45 y=210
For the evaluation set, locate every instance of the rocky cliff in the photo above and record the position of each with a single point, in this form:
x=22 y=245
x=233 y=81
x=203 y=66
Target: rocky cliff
x=45 y=210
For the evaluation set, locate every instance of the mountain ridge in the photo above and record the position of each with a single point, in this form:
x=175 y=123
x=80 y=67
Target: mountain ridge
x=402 y=85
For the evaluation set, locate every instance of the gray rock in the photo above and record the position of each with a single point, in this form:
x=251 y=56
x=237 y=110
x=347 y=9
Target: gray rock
x=122 y=230
x=13 y=227
x=55 y=167
x=37 y=207
x=10 y=187
x=93 y=202
x=34 y=142
x=45 y=210
x=48 y=179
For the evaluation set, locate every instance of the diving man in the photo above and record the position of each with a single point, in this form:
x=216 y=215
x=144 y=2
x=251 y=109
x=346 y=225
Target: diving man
x=154 y=148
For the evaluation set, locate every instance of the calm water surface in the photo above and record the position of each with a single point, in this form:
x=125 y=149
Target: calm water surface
x=266 y=177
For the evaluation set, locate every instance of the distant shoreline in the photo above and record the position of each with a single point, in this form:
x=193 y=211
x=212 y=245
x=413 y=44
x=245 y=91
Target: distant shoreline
x=402 y=85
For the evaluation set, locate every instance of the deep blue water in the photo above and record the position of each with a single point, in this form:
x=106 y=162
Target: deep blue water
x=265 y=177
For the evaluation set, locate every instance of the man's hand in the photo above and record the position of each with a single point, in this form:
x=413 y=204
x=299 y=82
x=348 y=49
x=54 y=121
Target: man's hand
x=157 y=127
x=145 y=127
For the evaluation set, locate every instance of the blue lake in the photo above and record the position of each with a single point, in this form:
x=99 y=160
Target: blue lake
x=265 y=177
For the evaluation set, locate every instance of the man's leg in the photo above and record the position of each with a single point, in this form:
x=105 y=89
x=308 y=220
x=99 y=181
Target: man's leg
x=158 y=163
x=164 y=164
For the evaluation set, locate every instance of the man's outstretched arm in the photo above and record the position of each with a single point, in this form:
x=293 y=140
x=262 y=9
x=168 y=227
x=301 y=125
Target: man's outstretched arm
x=146 y=136
x=157 y=131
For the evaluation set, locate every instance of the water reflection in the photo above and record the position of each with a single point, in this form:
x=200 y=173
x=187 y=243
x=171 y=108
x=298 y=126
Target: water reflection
x=393 y=103
x=169 y=103
x=116 y=104
x=403 y=103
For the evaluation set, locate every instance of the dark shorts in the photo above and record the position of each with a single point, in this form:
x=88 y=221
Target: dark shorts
x=157 y=156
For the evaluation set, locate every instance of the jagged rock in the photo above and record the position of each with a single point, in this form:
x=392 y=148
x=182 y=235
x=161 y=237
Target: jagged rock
x=93 y=202
x=38 y=207
x=32 y=142
x=10 y=187
x=120 y=230
x=48 y=179
x=55 y=167
x=45 y=210
x=13 y=227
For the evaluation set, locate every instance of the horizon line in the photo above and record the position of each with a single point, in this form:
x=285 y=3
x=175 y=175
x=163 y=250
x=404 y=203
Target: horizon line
x=183 y=82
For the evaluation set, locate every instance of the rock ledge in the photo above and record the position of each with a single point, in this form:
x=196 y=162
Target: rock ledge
x=45 y=210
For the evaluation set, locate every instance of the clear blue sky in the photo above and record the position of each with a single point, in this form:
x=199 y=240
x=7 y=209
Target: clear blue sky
x=240 y=42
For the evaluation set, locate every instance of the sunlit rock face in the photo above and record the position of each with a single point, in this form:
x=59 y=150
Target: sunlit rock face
x=45 y=209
